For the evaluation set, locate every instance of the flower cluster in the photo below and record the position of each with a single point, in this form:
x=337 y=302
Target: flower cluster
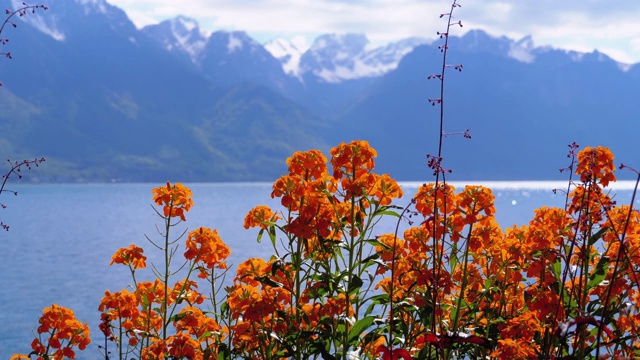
x=58 y=334
x=174 y=199
x=517 y=293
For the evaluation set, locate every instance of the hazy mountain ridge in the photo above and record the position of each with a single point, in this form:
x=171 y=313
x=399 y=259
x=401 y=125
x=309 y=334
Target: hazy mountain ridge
x=105 y=101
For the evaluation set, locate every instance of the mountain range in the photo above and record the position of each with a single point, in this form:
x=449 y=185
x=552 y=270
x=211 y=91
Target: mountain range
x=105 y=101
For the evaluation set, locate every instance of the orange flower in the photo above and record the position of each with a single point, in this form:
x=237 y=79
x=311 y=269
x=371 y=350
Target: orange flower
x=156 y=351
x=596 y=164
x=443 y=195
x=337 y=306
x=251 y=304
x=314 y=222
x=120 y=305
x=350 y=158
x=65 y=332
x=391 y=245
x=196 y=323
x=308 y=165
x=260 y=216
x=205 y=245
x=473 y=201
x=418 y=239
x=241 y=298
x=372 y=347
x=385 y=190
x=251 y=269
x=590 y=204
x=290 y=189
x=517 y=338
x=131 y=256
x=183 y=346
x=148 y=293
x=176 y=199
x=186 y=291
x=515 y=349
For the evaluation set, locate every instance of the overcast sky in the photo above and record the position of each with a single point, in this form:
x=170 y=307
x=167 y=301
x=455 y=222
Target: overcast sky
x=611 y=26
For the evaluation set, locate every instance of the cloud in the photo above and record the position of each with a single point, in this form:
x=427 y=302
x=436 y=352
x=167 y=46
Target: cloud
x=586 y=24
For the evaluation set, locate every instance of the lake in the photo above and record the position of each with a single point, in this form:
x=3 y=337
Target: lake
x=62 y=237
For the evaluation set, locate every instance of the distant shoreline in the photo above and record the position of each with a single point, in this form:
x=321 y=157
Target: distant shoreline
x=522 y=184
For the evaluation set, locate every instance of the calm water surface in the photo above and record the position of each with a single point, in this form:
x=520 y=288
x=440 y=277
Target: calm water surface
x=62 y=237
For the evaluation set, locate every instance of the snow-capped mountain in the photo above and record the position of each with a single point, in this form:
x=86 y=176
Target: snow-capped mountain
x=335 y=58
x=386 y=58
x=287 y=53
x=524 y=50
x=180 y=34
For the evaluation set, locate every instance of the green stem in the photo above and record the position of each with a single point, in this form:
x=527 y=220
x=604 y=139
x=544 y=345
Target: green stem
x=463 y=285
x=167 y=260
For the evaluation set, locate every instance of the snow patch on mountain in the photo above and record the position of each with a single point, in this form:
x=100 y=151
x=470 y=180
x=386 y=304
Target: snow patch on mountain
x=287 y=53
x=523 y=50
x=186 y=23
x=45 y=23
x=188 y=35
x=624 y=67
x=180 y=34
x=336 y=58
x=234 y=44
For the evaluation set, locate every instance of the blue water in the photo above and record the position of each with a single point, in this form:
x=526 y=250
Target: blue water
x=62 y=237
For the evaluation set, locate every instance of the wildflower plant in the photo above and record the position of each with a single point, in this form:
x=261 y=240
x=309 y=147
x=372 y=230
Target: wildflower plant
x=315 y=289
x=58 y=334
x=162 y=318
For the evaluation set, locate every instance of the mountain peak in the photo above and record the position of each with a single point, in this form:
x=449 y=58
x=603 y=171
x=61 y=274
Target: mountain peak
x=335 y=58
x=287 y=53
x=522 y=50
x=180 y=33
x=234 y=41
x=184 y=23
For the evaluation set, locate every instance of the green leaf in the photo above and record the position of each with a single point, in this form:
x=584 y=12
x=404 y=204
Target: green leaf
x=359 y=327
x=223 y=352
x=145 y=301
x=260 y=235
x=384 y=210
x=387 y=212
x=272 y=235
x=177 y=317
x=375 y=242
x=265 y=280
x=382 y=299
x=557 y=269
x=355 y=283
x=369 y=258
x=453 y=260
x=595 y=237
x=599 y=273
